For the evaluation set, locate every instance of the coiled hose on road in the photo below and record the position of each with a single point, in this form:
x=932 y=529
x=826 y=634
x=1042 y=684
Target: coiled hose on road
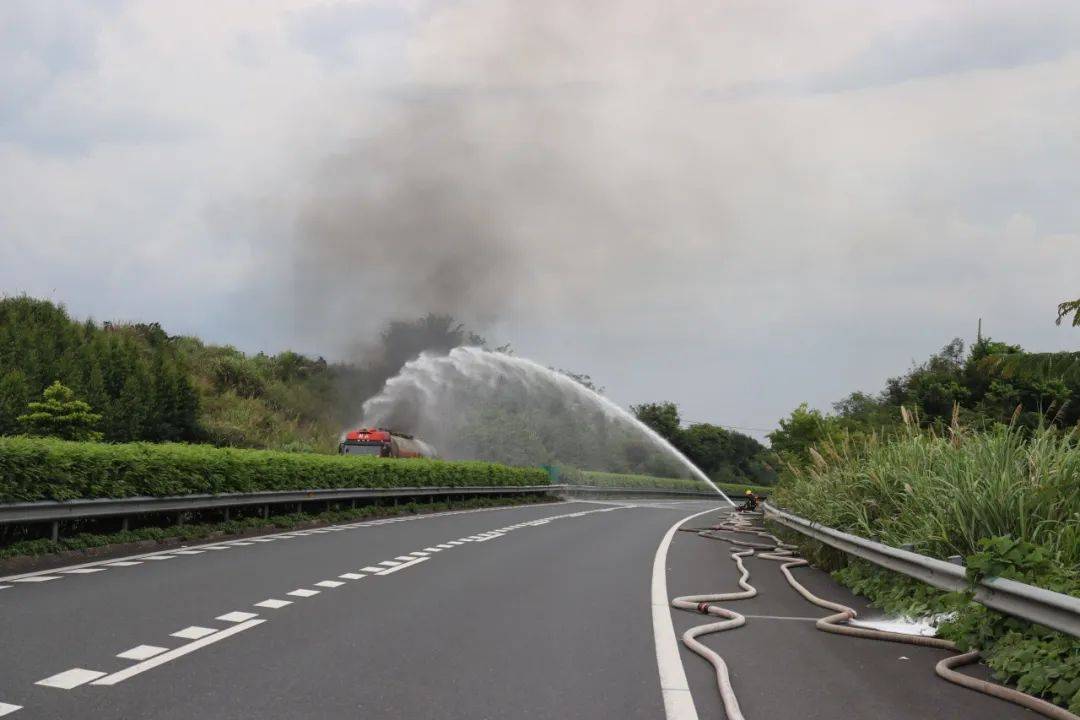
x=836 y=623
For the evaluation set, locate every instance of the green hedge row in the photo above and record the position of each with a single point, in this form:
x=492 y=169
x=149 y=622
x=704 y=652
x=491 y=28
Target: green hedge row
x=48 y=469
x=605 y=479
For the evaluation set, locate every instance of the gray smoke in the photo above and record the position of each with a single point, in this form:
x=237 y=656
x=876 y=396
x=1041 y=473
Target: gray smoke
x=538 y=161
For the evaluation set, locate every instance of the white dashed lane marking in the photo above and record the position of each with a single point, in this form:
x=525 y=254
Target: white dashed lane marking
x=329 y=583
x=141 y=652
x=173 y=654
x=7 y=708
x=418 y=553
x=372 y=569
x=351 y=576
x=69 y=679
x=444 y=546
x=37 y=579
x=273 y=604
x=389 y=563
x=303 y=592
x=236 y=616
x=187 y=552
x=194 y=632
x=6 y=587
x=159 y=557
x=402 y=566
x=124 y=563
x=82 y=571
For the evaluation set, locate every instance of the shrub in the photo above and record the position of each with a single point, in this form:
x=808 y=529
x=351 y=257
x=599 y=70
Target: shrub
x=49 y=469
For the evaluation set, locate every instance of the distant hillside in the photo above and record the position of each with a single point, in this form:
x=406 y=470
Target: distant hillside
x=151 y=386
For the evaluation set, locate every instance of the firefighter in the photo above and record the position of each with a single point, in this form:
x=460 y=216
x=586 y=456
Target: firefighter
x=751 y=501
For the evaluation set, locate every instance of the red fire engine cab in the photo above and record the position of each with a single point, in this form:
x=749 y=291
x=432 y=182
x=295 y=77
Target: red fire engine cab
x=384 y=443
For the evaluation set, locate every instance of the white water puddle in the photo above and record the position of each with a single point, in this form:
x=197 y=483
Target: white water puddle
x=910 y=626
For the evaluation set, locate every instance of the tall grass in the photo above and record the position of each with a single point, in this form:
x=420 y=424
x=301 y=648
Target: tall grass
x=944 y=493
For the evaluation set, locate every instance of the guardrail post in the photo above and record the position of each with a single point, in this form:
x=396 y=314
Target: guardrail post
x=266 y=511
x=55 y=530
x=227 y=514
x=124 y=524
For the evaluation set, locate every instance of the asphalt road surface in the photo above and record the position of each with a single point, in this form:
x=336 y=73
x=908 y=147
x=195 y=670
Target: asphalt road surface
x=530 y=612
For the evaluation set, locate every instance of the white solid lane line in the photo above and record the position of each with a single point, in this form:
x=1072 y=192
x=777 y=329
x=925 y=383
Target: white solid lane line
x=445 y=546
x=236 y=616
x=351 y=576
x=432 y=549
x=273 y=604
x=7 y=708
x=678 y=702
x=37 y=579
x=402 y=566
x=303 y=592
x=329 y=583
x=141 y=652
x=69 y=679
x=82 y=571
x=194 y=632
x=186 y=552
x=175 y=653
x=404 y=558
x=6 y=587
x=159 y=557
x=418 y=553
x=124 y=563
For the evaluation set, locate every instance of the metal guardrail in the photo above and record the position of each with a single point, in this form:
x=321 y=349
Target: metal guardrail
x=55 y=511
x=1038 y=605
x=653 y=492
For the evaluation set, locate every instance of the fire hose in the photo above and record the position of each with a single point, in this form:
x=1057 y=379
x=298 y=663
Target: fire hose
x=835 y=623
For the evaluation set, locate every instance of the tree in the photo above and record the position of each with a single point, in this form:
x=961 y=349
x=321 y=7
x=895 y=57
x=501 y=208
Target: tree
x=804 y=429
x=663 y=417
x=1066 y=309
x=61 y=415
x=14 y=394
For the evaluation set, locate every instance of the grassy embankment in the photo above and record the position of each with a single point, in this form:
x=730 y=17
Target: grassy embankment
x=1006 y=500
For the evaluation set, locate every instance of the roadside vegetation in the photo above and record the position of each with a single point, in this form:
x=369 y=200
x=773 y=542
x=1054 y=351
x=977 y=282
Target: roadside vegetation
x=974 y=454
x=50 y=469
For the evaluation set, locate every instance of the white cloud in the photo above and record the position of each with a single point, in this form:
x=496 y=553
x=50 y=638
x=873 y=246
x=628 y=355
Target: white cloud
x=739 y=206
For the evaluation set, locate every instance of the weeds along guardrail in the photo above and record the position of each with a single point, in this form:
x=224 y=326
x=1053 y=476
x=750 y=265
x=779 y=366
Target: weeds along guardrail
x=1038 y=605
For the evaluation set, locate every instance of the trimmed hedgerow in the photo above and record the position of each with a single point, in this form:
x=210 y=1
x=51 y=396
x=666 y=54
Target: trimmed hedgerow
x=49 y=469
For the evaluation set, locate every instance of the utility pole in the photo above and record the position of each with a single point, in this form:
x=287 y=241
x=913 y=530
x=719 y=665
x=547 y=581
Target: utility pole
x=978 y=336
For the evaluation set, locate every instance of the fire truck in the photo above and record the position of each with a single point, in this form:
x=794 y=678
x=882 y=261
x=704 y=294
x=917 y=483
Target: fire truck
x=380 y=442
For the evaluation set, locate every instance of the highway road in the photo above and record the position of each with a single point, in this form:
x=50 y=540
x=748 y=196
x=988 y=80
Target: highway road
x=539 y=611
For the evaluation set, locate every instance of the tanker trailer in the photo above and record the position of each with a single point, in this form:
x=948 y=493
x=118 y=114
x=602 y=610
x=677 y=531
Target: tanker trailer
x=380 y=442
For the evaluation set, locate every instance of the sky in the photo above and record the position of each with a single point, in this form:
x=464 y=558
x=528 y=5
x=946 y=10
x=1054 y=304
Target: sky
x=736 y=206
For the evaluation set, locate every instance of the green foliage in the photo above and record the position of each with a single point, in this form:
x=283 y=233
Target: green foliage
x=47 y=469
x=61 y=415
x=1066 y=309
x=993 y=384
x=132 y=375
x=662 y=417
x=1006 y=498
x=722 y=454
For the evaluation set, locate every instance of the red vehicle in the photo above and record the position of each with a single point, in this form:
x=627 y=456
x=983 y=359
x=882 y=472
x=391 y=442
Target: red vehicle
x=384 y=443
